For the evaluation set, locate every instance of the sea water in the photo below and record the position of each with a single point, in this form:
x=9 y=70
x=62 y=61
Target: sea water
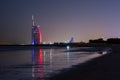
x=39 y=64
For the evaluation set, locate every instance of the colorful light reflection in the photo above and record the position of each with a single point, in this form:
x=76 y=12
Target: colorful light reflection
x=40 y=60
x=37 y=57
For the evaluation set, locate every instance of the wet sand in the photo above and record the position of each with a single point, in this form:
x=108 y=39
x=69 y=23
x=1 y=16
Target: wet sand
x=103 y=68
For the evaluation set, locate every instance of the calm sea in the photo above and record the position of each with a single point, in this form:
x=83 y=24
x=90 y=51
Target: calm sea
x=37 y=64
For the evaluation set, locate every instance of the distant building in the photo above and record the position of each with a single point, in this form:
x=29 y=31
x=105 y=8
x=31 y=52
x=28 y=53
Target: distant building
x=36 y=33
x=70 y=41
x=100 y=40
x=113 y=40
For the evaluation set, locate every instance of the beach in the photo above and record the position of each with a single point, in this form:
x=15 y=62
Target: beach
x=106 y=67
x=25 y=63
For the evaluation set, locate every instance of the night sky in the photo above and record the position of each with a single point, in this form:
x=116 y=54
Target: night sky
x=59 y=20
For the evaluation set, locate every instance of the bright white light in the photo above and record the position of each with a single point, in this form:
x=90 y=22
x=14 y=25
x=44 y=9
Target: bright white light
x=68 y=47
x=44 y=42
x=50 y=43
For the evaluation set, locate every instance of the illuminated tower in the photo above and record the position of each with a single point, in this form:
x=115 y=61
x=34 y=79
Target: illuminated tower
x=36 y=33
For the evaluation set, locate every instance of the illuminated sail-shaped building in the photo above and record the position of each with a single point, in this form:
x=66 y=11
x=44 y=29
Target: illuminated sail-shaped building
x=36 y=33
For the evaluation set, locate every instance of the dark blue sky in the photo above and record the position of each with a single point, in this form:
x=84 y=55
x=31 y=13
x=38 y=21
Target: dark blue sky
x=59 y=19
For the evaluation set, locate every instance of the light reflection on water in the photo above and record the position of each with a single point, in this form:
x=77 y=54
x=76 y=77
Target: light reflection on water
x=48 y=62
x=39 y=64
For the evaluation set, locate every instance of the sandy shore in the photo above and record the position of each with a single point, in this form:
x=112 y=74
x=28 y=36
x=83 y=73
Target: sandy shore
x=103 y=68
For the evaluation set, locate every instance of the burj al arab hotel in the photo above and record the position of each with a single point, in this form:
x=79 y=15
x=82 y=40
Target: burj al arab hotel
x=36 y=33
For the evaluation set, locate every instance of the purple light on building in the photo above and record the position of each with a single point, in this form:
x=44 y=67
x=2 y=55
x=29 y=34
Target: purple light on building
x=36 y=33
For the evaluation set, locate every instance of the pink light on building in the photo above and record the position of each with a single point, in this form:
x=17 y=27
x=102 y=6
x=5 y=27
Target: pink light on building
x=39 y=34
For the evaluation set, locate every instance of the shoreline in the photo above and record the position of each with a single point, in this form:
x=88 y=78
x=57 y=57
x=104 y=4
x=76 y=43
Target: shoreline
x=47 y=46
x=106 y=67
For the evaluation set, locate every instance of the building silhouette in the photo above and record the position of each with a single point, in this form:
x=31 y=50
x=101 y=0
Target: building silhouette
x=36 y=33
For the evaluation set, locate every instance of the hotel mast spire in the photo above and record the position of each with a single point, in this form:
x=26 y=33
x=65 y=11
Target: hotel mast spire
x=33 y=22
